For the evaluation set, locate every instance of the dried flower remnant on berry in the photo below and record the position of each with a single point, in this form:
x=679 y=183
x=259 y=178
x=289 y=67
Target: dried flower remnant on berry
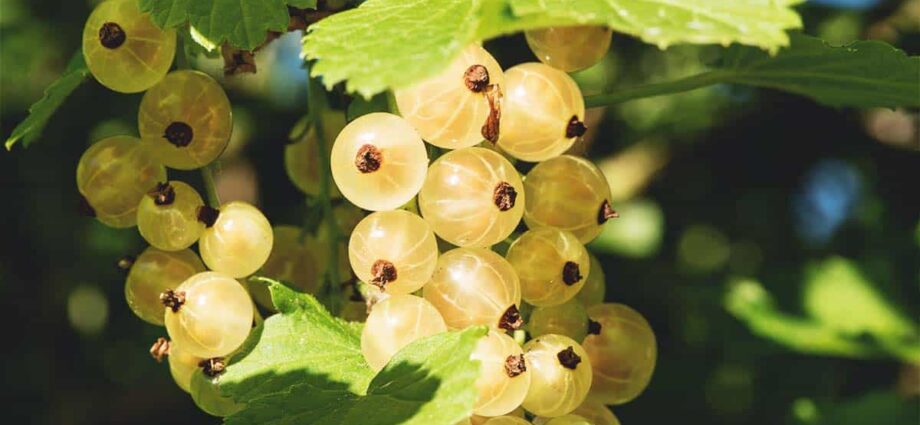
x=208 y=215
x=490 y=129
x=179 y=134
x=384 y=272
x=172 y=299
x=515 y=365
x=368 y=159
x=606 y=212
x=570 y=273
x=163 y=194
x=504 y=196
x=476 y=78
x=112 y=35
x=511 y=320
x=568 y=359
x=594 y=328
x=575 y=128
x=160 y=349
x=213 y=367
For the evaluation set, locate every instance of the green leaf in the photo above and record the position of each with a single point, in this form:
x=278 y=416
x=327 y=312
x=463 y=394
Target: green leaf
x=749 y=302
x=862 y=74
x=241 y=23
x=429 y=382
x=387 y=43
x=301 y=343
x=666 y=22
x=304 y=366
x=840 y=297
x=41 y=111
x=394 y=43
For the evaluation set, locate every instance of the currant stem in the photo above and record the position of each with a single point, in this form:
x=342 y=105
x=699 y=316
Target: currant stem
x=659 y=89
x=317 y=104
x=207 y=174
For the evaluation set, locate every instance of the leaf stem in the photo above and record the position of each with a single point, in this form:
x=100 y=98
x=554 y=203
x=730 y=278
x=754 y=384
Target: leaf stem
x=207 y=174
x=317 y=104
x=659 y=89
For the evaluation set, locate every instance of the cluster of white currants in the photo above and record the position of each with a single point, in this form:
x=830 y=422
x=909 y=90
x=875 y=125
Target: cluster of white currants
x=428 y=256
x=184 y=123
x=473 y=199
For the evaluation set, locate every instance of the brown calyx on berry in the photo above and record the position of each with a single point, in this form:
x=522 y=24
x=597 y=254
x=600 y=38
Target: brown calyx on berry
x=575 y=128
x=511 y=319
x=179 y=134
x=504 y=196
x=238 y=61
x=606 y=212
x=163 y=194
x=368 y=159
x=213 y=367
x=85 y=208
x=490 y=129
x=383 y=272
x=172 y=299
x=125 y=263
x=208 y=215
x=112 y=35
x=160 y=349
x=514 y=365
x=594 y=328
x=568 y=359
x=570 y=273
x=476 y=78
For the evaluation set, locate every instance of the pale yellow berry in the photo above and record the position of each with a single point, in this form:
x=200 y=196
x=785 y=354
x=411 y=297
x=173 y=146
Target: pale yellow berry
x=394 y=250
x=167 y=217
x=543 y=112
x=211 y=315
x=475 y=286
x=623 y=353
x=560 y=375
x=503 y=377
x=472 y=197
x=447 y=111
x=551 y=265
x=153 y=272
x=568 y=193
x=239 y=242
x=394 y=323
x=570 y=49
x=379 y=162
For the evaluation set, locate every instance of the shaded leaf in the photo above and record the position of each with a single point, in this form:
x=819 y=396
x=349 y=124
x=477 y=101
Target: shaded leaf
x=41 y=111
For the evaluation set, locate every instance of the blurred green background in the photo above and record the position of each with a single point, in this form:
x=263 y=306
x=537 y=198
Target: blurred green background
x=773 y=244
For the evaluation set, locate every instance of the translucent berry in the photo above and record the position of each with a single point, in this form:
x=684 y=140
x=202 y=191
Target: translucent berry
x=379 y=162
x=503 y=377
x=551 y=264
x=595 y=285
x=393 y=250
x=472 y=197
x=182 y=366
x=569 y=318
x=153 y=272
x=475 y=286
x=302 y=158
x=394 y=323
x=623 y=353
x=543 y=112
x=569 y=193
x=561 y=375
x=570 y=49
x=293 y=261
x=167 y=217
x=185 y=120
x=208 y=315
x=450 y=109
x=238 y=242
x=123 y=49
x=113 y=175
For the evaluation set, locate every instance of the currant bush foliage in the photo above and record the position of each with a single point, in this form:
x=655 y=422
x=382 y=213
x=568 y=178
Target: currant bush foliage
x=308 y=364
